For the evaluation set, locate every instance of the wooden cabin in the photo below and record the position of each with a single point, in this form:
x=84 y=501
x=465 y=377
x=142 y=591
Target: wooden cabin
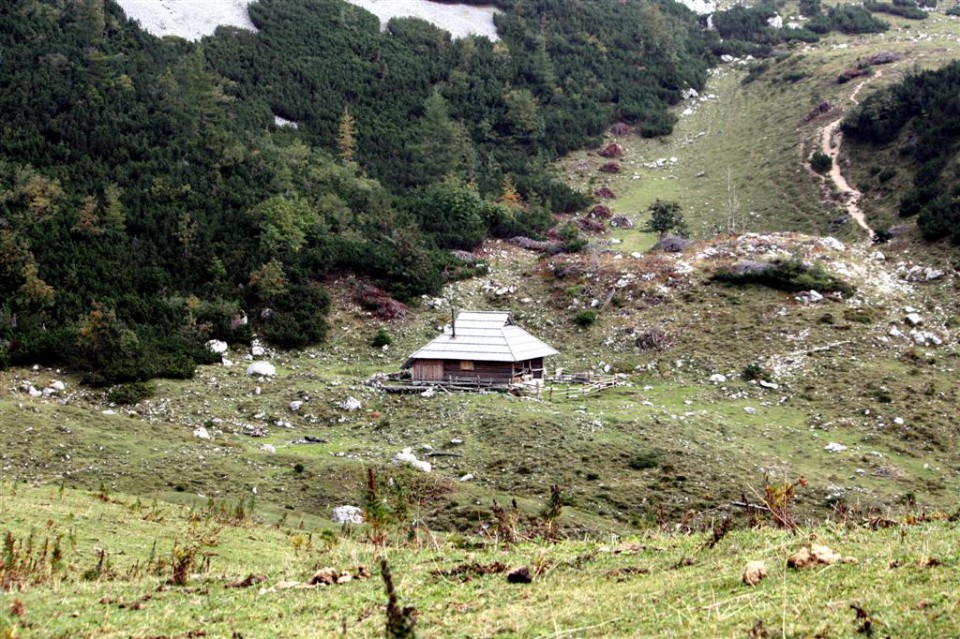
x=483 y=348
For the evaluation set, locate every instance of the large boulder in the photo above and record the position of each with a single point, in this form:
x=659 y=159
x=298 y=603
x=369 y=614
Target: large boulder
x=217 y=346
x=672 y=244
x=347 y=515
x=263 y=369
x=884 y=57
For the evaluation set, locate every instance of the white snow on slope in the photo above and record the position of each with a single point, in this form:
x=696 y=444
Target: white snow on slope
x=193 y=19
x=460 y=20
x=190 y=19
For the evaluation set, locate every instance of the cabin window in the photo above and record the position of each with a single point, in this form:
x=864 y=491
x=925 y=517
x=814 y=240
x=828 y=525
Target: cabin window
x=466 y=365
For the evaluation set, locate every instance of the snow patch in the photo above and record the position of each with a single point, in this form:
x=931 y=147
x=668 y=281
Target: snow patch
x=194 y=19
x=190 y=19
x=460 y=20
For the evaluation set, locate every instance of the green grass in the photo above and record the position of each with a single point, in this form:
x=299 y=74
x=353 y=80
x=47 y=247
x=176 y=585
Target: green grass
x=653 y=584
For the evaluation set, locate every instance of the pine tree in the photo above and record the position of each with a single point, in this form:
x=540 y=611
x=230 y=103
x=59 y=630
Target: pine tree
x=114 y=216
x=347 y=136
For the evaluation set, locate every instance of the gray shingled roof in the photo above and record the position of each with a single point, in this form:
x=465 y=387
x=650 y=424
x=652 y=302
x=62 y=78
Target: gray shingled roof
x=484 y=336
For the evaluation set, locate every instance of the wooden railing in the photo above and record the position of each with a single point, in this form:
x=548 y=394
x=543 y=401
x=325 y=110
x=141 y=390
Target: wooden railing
x=573 y=390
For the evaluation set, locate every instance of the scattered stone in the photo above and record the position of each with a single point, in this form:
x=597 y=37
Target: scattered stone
x=913 y=319
x=467 y=477
x=264 y=369
x=884 y=57
x=750 y=410
x=532 y=245
x=925 y=338
x=832 y=243
x=770 y=385
x=754 y=573
x=295 y=406
x=269 y=448
x=834 y=447
x=57 y=385
x=347 y=515
x=809 y=297
x=406 y=456
x=201 y=433
x=463 y=256
x=350 y=404
x=816 y=554
x=621 y=222
x=717 y=378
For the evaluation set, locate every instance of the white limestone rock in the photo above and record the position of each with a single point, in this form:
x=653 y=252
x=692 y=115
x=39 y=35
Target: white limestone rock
x=264 y=369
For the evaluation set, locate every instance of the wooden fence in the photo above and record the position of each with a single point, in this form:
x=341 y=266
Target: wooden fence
x=574 y=390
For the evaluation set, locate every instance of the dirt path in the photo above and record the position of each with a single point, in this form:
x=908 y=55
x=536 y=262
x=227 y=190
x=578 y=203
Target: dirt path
x=831 y=139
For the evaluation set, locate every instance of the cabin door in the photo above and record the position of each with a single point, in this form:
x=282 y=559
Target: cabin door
x=429 y=370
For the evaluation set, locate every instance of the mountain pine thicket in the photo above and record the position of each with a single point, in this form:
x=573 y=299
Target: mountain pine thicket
x=920 y=117
x=149 y=202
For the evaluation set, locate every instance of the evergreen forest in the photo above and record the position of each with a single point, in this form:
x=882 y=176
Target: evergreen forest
x=149 y=202
x=920 y=118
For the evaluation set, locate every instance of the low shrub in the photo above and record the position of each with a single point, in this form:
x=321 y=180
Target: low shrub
x=131 y=392
x=586 y=318
x=790 y=275
x=820 y=162
x=645 y=460
x=754 y=372
x=381 y=339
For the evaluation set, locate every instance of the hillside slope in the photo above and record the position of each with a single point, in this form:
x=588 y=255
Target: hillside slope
x=250 y=576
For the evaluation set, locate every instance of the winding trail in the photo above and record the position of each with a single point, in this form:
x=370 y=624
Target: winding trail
x=831 y=139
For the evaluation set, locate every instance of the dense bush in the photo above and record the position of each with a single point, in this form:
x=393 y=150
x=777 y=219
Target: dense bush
x=754 y=372
x=131 y=393
x=847 y=19
x=922 y=110
x=786 y=275
x=381 y=339
x=810 y=8
x=903 y=8
x=820 y=161
x=585 y=318
x=748 y=24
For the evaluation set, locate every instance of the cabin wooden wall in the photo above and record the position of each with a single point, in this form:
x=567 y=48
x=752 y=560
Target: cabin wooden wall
x=427 y=370
x=494 y=373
